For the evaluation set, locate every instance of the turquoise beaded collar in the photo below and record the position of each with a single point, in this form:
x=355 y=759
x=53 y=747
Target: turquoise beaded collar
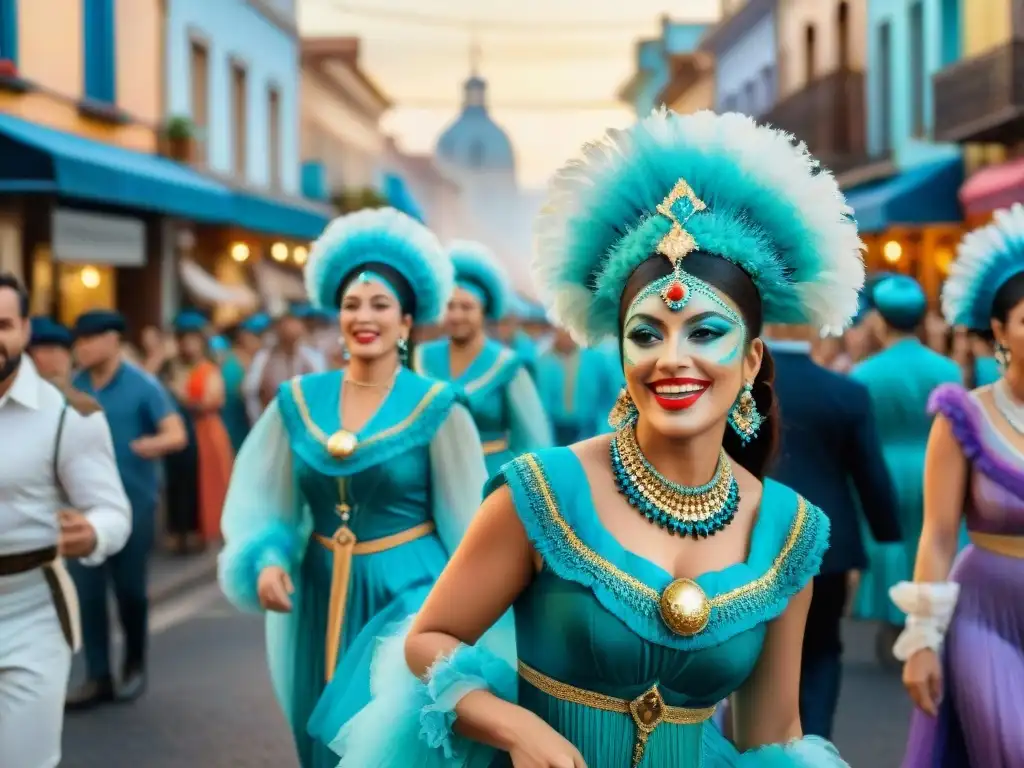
x=681 y=510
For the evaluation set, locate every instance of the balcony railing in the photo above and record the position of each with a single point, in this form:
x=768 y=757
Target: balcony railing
x=828 y=115
x=981 y=99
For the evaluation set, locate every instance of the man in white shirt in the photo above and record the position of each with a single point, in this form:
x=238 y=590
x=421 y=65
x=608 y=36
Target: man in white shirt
x=60 y=495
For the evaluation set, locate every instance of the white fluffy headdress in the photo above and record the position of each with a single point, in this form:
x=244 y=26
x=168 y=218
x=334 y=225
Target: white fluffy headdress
x=768 y=207
x=986 y=258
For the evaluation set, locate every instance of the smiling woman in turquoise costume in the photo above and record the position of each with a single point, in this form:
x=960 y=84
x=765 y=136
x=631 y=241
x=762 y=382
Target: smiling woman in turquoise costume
x=680 y=236
x=353 y=487
x=491 y=377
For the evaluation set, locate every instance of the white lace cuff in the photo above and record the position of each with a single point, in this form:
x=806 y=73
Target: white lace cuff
x=929 y=609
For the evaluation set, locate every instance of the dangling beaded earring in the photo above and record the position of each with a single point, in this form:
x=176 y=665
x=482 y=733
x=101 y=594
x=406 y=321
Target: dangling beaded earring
x=744 y=418
x=1002 y=357
x=624 y=410
x=403 y=351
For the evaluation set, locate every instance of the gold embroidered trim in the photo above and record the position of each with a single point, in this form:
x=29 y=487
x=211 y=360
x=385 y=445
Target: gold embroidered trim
x=646 y=591
x=485 y=378
x=321 y=437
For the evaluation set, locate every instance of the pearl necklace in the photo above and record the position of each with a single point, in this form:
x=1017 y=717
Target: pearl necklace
x=682 y=510
x=1008 y=407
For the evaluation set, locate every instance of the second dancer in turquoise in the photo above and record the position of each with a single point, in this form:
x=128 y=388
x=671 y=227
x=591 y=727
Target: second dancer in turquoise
x=354 y=487
x=492 y=378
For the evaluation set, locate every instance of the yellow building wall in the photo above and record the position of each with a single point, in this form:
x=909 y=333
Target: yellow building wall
x=50 y=55
x=701 y=95
x=987 y=24
x=792 y=19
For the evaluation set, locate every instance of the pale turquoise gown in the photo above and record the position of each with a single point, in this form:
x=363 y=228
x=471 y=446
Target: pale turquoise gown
x=591 y=619
x=500 y=395
x=574 y=387
x=418 y=460
x=899 y=380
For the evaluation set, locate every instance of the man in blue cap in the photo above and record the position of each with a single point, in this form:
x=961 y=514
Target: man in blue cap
x=145 y=427
x=50 y=349
x=60 y=497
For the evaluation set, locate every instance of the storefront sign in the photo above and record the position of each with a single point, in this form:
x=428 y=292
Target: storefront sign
x=92 y=238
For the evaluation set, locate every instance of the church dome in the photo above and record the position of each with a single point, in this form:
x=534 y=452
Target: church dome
x=474 y=142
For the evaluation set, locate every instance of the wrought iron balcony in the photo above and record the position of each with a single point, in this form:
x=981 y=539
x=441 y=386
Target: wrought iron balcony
x=828 y=115
x=981 y=99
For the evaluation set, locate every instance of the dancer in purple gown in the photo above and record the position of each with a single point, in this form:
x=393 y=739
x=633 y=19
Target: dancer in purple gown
x=964 y=640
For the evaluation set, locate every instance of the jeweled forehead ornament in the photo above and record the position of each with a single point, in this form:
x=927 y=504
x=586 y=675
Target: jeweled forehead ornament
x=680 y=204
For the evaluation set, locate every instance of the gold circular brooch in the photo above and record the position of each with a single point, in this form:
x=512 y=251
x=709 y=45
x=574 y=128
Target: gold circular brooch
x=341 y=444
x=685 y=608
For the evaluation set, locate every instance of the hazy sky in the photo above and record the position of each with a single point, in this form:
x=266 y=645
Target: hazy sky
x=553 y=66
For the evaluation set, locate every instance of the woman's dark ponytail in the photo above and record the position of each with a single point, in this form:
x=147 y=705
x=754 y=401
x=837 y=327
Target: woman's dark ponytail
x=757 y=456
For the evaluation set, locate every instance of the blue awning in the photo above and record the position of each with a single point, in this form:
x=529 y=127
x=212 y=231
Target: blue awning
x=923 y=195
x=297 y=218
x=400 y=197
x=35 y=158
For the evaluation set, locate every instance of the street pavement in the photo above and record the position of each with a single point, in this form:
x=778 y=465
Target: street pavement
x=210 y=705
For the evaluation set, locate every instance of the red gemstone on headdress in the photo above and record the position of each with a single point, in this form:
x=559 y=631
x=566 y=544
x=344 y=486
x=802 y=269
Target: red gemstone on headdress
x=675 y=292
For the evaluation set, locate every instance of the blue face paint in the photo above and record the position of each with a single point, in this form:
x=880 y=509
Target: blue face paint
x=715 y=338
x=708 y=330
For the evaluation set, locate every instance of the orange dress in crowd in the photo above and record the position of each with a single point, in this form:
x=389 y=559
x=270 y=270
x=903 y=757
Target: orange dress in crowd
x=215 y=454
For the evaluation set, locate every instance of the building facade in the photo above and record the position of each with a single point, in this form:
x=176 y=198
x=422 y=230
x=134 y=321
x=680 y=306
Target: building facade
x=744 y=47
x=656 y=63
x=979 y=105
x=908 y=213
x=340 y=120
x=91 y=80
x=233 y=69
x=822 y=100
x=233 y=82
x=691 y=86
x=90 y=92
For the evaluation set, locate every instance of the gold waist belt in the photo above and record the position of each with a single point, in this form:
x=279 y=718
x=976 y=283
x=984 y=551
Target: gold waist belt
x=495 y=446
x=648 y=710
x=1005 y=545
x=344 y=546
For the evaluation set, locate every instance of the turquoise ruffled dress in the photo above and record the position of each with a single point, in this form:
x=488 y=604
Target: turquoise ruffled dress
x=417 y=461
x=573 y=388
x=899 y=379
x=591 y=619
x=500 y=395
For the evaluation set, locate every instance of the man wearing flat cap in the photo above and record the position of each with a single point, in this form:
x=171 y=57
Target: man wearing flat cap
x=145 y=427
x=50 y=349
x=60 y=496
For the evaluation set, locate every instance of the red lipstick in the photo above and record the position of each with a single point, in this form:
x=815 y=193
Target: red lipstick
x=366 y=337
x=678 y=401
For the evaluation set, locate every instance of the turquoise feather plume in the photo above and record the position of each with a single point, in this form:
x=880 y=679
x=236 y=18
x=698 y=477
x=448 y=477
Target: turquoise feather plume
x=986 y=258
x=475 y=263
x=389 y=237
x=771 y=210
